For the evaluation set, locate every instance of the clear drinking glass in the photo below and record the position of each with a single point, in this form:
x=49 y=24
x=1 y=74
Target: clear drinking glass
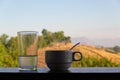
x=27 y=48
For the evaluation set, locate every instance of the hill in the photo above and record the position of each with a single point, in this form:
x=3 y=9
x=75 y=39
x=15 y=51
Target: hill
x=86 y=50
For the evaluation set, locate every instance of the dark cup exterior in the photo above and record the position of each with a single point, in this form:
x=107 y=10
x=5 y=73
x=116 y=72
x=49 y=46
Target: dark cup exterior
x=58 y=59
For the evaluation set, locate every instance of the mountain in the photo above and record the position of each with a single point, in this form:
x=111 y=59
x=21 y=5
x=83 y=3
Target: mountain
x=106 y=42
x=82 y=40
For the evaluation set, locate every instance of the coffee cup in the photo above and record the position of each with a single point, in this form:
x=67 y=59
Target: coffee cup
x=60 y=59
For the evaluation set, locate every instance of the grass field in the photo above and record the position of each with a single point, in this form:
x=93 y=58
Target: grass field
x=92 y=56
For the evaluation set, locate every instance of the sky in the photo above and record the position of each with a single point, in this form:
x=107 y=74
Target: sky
x=86 y=18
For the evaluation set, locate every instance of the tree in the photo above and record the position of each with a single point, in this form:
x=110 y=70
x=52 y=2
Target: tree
x=8 y=57
x=3 y=44
x=67 y=39
x=59 y=36
x=2 y=49
x=12 y=47
x=3 y=39
x=50 y=37
x=44 y=32
x=41 y=42
x=116 y=48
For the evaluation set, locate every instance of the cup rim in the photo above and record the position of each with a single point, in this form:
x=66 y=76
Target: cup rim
x=56 y=50
x=26 y=32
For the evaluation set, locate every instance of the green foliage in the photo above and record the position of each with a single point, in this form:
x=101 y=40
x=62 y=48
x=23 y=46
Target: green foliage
x=8 y=52
x=44 y=32
x=41 y=42
x=7 y=61
x=49 y=37
x=9 y=49
x=94 y=62
x=59 y=36
x=67 y=39
x=115 y=49
x=2 y=49
x=3 y=39
x=12 y=47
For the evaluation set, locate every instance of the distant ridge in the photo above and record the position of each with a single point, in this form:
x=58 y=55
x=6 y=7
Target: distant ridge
x=82 y=40
x=97 y=42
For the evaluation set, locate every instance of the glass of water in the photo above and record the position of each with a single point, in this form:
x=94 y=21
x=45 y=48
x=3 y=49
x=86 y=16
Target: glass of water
x=27 y=48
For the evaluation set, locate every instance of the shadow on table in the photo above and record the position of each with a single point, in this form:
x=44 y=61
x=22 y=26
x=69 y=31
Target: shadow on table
x=27 y=71
x=59 y=71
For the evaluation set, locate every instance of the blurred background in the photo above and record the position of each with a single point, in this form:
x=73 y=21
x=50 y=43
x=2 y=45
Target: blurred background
x=61 y=24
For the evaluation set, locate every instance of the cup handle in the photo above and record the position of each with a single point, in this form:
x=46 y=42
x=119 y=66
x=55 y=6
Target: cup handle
x=74 y=56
